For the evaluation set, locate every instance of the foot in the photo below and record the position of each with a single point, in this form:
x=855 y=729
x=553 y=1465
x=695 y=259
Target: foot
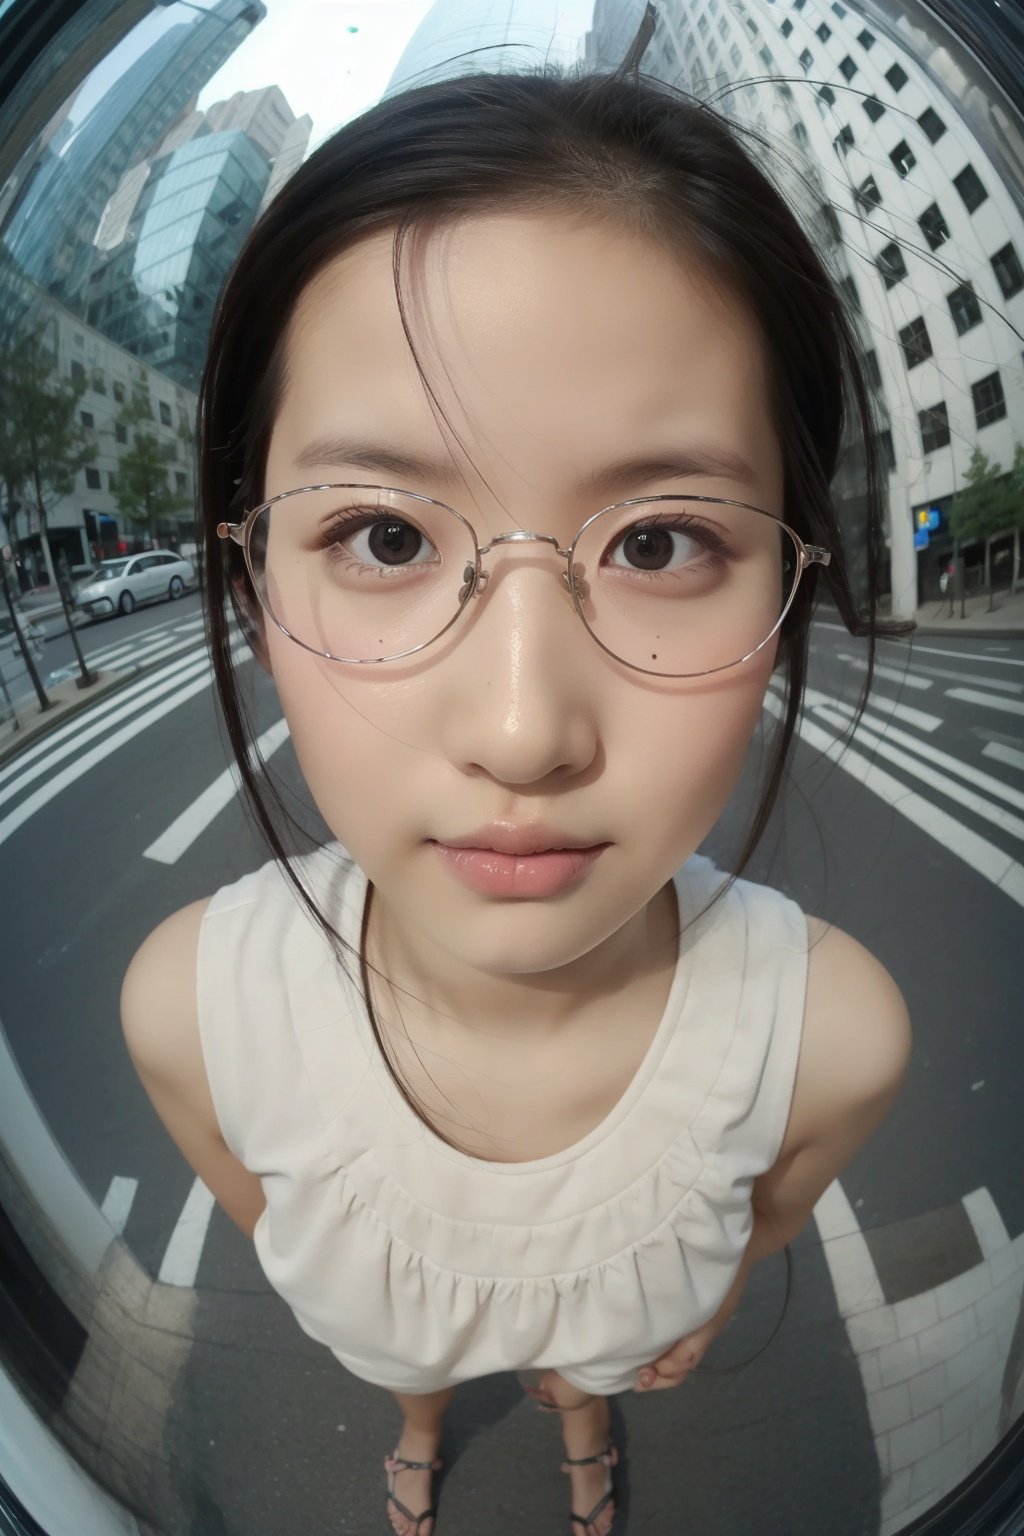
x=413 y=1487
x=585 y=1433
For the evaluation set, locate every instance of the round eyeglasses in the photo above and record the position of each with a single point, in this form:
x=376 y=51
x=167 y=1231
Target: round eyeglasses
x=674 y=586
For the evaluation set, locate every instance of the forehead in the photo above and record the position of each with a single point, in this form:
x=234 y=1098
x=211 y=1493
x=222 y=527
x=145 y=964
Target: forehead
x=541 y=337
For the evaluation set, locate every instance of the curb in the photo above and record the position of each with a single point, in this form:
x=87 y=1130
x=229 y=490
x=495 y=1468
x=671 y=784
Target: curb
x=65 y=704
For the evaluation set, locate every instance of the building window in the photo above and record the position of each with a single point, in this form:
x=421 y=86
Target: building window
x=77 y=372
x=735 y=56
x=868 y=195
x=871 y=368
x=886 y=449
x=165 y=413
x=799 y=135
x=1009 y=273
x=806 y=60
x=848 y=288
x=99 y=381
x=798 y=5
x=932 y=124
x=92 y=479
x=702 y=25
x=873 y=107
x=180 y=483
x=970 y=187
x=933 y=226
x=916 y=343
x=866 y=39
x=934 y=424
x=826 y=98
x=766 y=57
x=824 y=31
x=786 y=28
x=723 y=28
x=897 y=77
x=840 y=10
x=989 y=400
x=112 y=482
x=847 y=68
x=713 y=51
x=87 y=420
x=118 y=391
x=964 y=307
x=843 y=140
x=902 y=158
x=830 y=224
x=890 y=263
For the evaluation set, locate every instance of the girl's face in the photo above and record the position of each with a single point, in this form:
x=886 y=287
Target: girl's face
x=556 y=350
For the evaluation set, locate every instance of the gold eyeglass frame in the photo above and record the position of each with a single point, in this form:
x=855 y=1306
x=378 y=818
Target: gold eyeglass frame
x=475 y=578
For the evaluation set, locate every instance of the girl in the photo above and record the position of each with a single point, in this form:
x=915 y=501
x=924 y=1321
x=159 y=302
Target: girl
x=521 y=410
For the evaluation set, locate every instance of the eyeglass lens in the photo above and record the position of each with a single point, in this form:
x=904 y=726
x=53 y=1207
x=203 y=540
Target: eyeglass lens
x=676 y=587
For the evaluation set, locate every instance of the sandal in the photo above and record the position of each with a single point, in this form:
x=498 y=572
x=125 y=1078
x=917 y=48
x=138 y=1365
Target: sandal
x=610 y=1457
x=394 y=1464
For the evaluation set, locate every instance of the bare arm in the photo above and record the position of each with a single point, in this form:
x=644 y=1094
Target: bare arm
x=161 y=1028
x=853 y=1059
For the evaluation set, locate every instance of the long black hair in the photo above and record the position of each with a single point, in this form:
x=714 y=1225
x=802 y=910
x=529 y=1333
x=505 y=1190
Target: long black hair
x=615 y=146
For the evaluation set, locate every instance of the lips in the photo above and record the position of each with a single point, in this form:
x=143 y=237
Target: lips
x=520 y=840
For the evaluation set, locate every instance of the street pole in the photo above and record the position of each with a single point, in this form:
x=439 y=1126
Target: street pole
x=45 y=703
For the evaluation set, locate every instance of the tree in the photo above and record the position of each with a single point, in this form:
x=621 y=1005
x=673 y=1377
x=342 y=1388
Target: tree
x=43 y=444
x=990 y=503
x=142 y=490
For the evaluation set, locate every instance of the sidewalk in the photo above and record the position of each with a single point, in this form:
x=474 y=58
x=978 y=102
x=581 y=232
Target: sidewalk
x=1006 y=622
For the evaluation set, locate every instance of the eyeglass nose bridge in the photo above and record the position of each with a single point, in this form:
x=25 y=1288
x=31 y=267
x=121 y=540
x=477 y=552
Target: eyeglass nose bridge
x=475 y=578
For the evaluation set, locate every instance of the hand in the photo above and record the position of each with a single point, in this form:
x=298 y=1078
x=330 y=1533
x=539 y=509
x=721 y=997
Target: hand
x=676 y=1364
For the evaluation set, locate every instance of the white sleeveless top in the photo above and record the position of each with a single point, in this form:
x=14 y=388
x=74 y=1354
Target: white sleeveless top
x=421 y=1266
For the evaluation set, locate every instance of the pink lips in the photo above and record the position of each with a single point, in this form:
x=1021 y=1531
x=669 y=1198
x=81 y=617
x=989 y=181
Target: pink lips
x=518 y=862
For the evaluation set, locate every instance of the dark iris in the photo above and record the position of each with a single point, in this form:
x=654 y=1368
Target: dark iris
x=649 y=549
x=394 y=542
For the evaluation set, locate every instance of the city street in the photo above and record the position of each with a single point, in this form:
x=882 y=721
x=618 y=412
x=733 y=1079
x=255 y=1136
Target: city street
x=911 y=841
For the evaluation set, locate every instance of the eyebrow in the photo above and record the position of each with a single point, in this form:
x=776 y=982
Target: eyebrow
x=381 y=458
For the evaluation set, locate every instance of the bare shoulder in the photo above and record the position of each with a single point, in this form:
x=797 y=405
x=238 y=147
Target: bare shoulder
x=160 y=1019
x=159 y=1014
x=856 y=1036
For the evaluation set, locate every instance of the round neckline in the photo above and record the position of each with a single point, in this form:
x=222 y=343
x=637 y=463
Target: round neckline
x=620 y=1110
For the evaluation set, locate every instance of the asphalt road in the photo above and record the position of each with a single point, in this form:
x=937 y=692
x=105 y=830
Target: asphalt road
x=910 y=842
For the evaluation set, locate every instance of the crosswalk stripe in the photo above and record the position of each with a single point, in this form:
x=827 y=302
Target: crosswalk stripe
x=975 y=696
x=195 y=818
x=95 y=727
x=117 y=1203
x=1003 y=754
x=887 y=674
x=977 y=852
x=185 y=1249
x=53 y=787
x=976 y=776
x=101 y=709
x=1004 y=820
x=998 y=683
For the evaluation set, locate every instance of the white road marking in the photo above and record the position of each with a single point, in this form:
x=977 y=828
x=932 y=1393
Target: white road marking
x=854 y=1276
x=970 y=677
x=989 y=1226
x=195 y=818
x=977 y=804
x=50 y=790
x=1001 y=754
x=887 y=674
x=102 y=710
x=977 y=852
x=932 y=754
x=181 y=1259
x=974 y=696
x=117 y=1202
x=905 y=712
x=97 y=726
x=934 y=650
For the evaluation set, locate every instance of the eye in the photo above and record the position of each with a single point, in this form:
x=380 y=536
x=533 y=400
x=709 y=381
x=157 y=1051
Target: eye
x=657 y=547
x=380 y=541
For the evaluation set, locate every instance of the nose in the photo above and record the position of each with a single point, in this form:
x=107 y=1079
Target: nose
x=520 y=704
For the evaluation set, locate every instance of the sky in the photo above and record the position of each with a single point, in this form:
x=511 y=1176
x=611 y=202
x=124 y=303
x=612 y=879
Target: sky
x=308 y=48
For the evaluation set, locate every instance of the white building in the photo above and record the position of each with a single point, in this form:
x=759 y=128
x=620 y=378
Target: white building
x=931 y=239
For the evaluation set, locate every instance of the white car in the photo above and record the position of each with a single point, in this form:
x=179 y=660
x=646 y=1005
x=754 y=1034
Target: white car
x=116 y=586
